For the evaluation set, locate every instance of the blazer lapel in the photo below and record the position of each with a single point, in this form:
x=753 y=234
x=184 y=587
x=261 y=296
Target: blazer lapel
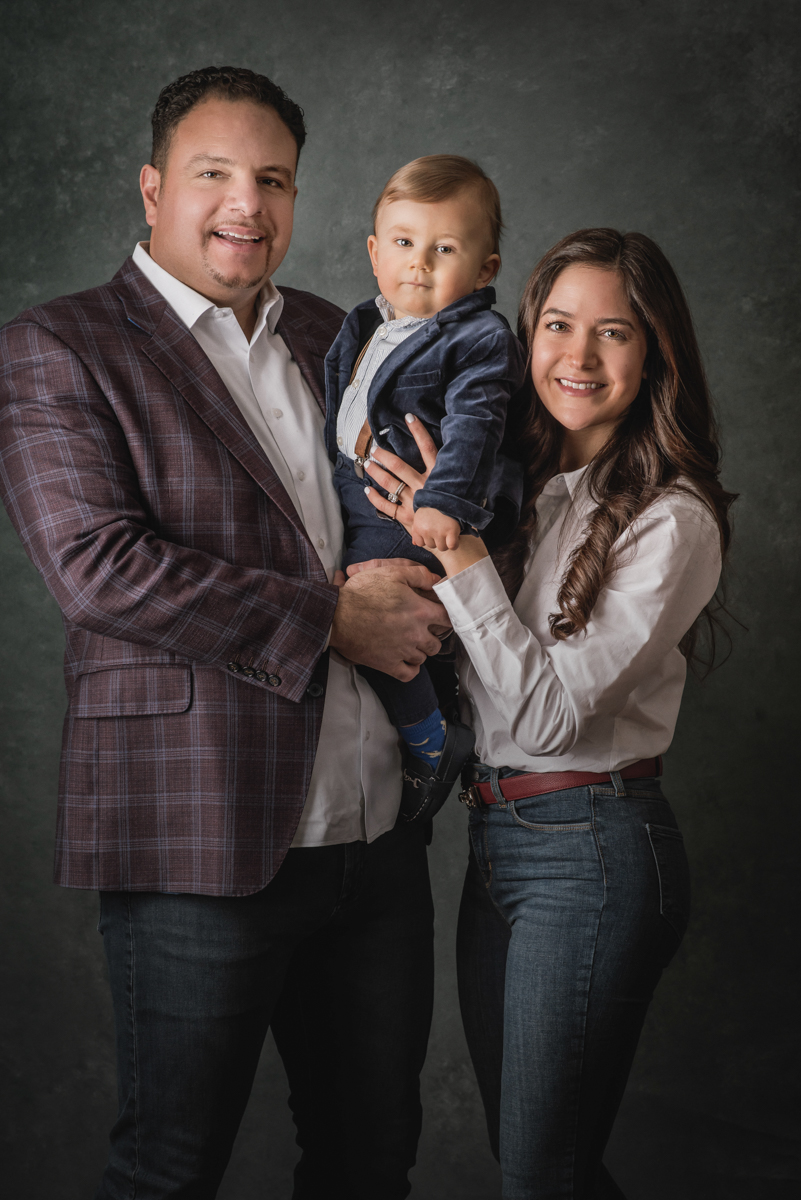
x=299 y=332
x=175 y=352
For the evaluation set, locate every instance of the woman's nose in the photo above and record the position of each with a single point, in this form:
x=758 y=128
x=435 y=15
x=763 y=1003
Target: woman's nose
x=582 y=353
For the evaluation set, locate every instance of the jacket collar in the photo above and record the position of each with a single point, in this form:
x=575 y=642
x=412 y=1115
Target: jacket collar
x=175 y=352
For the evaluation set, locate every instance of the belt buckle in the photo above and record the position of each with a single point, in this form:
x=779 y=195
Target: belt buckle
x=471 y=796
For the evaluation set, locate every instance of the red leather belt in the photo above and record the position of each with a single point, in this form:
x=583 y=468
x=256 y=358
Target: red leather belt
x=521 y=787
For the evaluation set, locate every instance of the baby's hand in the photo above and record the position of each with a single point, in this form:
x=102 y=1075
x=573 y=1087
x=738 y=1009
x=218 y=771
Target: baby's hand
x=434 y=531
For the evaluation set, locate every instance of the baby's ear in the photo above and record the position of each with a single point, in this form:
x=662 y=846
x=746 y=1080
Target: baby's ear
x=372 y=250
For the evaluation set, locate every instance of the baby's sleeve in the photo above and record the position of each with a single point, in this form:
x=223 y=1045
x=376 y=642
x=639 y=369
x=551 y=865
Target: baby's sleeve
x=476 y=402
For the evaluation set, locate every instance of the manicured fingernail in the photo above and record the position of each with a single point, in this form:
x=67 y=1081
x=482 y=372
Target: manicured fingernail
x=409 y=418
x=367 y=491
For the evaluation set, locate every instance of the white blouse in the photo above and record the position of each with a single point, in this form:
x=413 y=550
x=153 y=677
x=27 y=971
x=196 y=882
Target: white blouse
x=598 y=700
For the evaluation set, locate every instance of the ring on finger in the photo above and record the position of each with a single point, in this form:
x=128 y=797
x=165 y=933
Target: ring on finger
x=394 y=497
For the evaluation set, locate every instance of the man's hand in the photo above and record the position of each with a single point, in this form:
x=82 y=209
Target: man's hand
x=435 y=530
x=382 y=622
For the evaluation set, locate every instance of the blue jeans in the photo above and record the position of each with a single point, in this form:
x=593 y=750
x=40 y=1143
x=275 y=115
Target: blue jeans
x=573 y=904
x=336 y=956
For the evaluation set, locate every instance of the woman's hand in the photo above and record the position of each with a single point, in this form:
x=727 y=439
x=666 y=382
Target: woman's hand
x=391 y=472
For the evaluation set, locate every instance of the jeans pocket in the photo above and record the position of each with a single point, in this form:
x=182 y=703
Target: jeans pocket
x=673 y=873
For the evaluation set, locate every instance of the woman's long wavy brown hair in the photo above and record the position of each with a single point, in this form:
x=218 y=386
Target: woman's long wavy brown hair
x=666 y=440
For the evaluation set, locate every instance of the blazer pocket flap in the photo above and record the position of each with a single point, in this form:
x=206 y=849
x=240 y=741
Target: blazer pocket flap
x=133 y=691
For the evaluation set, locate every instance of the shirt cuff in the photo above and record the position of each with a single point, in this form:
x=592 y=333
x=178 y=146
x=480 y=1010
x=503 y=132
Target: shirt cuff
x=473 y=595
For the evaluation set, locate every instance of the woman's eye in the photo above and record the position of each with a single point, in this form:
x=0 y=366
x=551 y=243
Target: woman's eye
x=613 y=335
x=556 y=326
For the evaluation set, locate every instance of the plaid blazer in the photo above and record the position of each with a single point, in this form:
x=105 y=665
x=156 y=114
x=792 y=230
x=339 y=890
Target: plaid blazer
x=195 y=606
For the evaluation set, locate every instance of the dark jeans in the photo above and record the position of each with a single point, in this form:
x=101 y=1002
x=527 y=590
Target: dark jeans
x=573 y=904
x=336 y=956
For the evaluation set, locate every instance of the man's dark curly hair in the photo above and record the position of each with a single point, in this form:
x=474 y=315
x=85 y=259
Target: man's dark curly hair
x=228 y=83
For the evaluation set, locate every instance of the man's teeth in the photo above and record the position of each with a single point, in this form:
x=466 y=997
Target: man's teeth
x=580 y=387
x=237 y=237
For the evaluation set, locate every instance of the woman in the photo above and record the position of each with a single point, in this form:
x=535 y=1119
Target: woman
x=577 y=890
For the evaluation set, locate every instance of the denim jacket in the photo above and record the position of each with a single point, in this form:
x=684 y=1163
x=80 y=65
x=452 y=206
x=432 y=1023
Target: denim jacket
x=458 y=374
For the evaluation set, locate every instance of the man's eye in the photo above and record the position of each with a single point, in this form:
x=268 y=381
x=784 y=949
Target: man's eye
x=276 y=183
x=209 y=174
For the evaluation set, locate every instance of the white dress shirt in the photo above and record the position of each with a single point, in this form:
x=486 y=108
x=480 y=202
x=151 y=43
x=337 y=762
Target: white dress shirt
x=602 y=699
x=355 y=786
x=353 y=409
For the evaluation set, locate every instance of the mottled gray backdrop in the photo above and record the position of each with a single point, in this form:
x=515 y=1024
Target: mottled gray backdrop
x=675 y=118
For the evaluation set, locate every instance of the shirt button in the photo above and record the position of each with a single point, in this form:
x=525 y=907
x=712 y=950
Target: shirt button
x=301 y=475
x=315 y=690
x=356 y=383
x=321 y=542
x=340 y=441
x=382 y=331
x=278 y=412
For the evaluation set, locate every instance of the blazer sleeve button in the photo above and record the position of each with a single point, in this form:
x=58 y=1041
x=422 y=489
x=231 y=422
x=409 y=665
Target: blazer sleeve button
x=315 y=690
x=261 y=676
x=234 y=666
x=274 y=680
x=248 y=671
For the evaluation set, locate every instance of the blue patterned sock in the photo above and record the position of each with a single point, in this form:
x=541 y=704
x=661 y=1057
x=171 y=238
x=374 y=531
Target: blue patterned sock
x=426 y=739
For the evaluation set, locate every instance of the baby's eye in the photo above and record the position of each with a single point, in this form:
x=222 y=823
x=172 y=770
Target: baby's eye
x=402 y=242
x=445 y=249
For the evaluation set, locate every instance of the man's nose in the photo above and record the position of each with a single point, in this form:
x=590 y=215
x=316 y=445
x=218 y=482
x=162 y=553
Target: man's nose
x=245 y=196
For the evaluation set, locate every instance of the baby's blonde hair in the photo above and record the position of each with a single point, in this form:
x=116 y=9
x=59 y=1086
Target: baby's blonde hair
x=440 y=176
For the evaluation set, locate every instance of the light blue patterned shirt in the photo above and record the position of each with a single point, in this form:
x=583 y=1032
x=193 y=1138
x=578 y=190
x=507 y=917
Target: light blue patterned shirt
x=353 y=410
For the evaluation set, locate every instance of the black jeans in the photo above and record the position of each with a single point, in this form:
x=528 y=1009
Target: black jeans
x=336 y=955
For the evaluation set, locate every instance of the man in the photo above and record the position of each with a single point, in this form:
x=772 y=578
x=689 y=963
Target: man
x=229 y=783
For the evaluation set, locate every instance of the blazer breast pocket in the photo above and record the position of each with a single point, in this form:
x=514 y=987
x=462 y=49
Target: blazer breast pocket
x=417 y=379
x=133 y=691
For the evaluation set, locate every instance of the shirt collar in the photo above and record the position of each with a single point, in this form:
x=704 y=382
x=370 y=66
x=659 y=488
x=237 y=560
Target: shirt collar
x=189 y=306
x=388 y=313
x=568 y=481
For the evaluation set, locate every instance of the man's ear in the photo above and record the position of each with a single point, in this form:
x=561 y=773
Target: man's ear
x=149 y=185
x=372 y=250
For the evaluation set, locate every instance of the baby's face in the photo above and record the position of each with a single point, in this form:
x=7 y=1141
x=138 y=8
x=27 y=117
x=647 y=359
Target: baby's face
x=426 y=256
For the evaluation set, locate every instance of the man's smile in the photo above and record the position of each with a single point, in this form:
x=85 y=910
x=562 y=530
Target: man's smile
x=239 y=236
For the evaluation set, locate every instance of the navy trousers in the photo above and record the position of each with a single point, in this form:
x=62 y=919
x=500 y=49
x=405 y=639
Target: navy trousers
x=368 y=535
x=336 y=956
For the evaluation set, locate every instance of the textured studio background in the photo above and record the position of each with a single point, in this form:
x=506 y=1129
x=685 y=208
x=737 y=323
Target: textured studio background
x=674 y=118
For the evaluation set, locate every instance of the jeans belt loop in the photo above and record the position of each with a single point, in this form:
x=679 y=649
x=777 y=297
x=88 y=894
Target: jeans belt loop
x=494 y=786
x=617 y=780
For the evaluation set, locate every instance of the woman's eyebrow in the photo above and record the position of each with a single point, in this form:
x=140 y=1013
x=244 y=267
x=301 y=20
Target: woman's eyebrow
x=560 y=312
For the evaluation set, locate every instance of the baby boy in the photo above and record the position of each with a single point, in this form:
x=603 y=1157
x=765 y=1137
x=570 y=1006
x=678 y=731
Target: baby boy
x=429 y=345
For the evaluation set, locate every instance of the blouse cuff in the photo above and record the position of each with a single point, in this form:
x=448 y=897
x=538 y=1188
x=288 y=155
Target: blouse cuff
x=472 y=596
